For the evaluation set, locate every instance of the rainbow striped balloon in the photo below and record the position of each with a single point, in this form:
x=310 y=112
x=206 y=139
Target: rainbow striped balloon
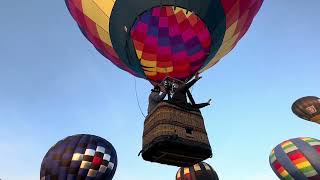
x=297 y=158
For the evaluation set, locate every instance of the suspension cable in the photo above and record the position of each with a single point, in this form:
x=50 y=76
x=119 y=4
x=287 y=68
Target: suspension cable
x=135 y=87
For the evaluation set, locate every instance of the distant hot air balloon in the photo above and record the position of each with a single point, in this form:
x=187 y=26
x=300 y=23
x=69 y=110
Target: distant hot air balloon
x=307 y=108
x=155 y=39
x=199 y=171
x=80 y=157
x=297 y=158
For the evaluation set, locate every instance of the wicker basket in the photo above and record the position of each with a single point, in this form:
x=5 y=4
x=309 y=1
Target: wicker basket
x=175 y=136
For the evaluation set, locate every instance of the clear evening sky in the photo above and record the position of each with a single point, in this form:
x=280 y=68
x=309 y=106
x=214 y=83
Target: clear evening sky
x=55 y=84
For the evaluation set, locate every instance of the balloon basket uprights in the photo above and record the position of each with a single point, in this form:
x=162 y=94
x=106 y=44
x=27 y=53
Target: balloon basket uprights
x=175 y=136
x=169 y=84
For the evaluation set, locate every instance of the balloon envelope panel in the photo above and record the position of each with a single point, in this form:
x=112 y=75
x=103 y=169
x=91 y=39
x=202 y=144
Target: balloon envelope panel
x=199 y=171
x=307 y=108
x=80 y=157
x=297 y=159
x=93 y=18
x=153 y=40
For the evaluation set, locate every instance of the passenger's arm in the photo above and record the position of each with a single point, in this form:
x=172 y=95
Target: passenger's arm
x=189 y=84
x=159 y=98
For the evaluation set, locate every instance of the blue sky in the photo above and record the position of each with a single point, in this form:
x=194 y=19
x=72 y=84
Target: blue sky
x=54 y=84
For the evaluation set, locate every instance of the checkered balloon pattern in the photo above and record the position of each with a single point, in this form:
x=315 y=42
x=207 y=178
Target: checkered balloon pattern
x=297 y=159
x=170 y=41
x=199 y=171
x=80 y=157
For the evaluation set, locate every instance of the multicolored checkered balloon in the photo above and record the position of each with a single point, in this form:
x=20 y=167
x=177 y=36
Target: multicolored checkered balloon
x=170 y=41
x=297 y=159
x=156 y=39
x=80 y=157
x=199 y=171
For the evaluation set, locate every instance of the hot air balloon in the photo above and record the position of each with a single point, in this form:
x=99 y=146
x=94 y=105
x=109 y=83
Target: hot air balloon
x=297 y=158
x=307 y=108
x=80 y=157
x=155 y=39
x=166 y=41
x=199 y=171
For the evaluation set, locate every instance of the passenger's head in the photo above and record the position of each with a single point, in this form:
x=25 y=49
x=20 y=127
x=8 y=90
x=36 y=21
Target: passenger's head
x=156 y=89
x=175 y=87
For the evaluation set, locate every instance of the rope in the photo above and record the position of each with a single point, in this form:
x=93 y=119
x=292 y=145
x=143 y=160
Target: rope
x=135 y=87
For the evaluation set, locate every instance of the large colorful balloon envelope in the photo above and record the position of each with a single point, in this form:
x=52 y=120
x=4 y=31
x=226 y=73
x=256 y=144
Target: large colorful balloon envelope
x=83 y=157
x=199 y=171
x=297 y=158
x=155 y=39
x=307 y=108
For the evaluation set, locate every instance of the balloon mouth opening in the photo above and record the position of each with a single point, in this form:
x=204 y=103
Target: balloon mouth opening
x=170 y=41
